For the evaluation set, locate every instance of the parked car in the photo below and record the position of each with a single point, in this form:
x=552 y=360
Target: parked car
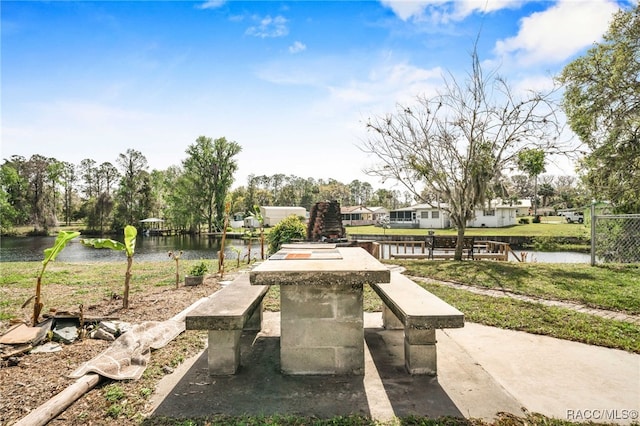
x=572 y=217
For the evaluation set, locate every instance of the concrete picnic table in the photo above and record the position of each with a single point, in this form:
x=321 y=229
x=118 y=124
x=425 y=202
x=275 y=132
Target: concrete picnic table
x=321 y=305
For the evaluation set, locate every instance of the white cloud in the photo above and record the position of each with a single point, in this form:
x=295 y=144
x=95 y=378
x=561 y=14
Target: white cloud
x=297 y=47
x=465 y=8
x=443 y=11
x=269 y=27
x=557 y=33
x=386 y=86
x=211 y=4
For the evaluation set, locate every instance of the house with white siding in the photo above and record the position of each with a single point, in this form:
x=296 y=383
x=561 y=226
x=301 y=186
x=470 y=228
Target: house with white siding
x=271 y=215
x=499 y=213
x=361 y=215
x=496 y=214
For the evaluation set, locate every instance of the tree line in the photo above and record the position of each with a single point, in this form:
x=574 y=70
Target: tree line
x=44 y=192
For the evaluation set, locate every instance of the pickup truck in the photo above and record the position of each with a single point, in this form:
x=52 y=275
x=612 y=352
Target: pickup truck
x=572 y=217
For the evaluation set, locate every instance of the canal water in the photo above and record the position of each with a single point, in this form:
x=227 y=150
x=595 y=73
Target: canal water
x=148 y=248
x=156 y=248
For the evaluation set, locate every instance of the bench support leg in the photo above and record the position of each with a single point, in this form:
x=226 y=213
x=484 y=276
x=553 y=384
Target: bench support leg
x=420 y=351
x=389 y=320
x=224 y=352
x=254 y=323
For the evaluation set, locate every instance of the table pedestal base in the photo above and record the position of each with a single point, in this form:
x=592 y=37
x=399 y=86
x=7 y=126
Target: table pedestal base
x=321 y=329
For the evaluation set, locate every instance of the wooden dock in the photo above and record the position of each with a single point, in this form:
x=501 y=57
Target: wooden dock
x=473 y=250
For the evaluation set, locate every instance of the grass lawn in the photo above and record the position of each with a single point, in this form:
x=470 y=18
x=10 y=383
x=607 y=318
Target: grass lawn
x=535 y=318
x=611 y=287
x=551 y=226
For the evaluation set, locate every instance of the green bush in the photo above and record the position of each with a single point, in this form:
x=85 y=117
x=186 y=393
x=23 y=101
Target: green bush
x=524 y=221
x=199 y=269
x=288 y=230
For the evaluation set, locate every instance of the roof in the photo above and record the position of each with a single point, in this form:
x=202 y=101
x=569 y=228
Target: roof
x=283 y=208
x=495 y=203
x=355 y=209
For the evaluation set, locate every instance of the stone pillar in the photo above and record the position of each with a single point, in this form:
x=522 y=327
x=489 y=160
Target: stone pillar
x=321 y=329
x=224 y=351
x=420 y=351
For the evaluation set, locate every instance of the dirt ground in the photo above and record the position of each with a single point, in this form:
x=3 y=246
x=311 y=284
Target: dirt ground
x=29 y=380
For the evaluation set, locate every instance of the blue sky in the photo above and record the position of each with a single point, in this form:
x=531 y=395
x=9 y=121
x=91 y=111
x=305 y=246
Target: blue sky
x=291 y=82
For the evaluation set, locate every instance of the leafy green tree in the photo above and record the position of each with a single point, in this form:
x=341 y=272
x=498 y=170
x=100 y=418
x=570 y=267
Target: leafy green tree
x=178 y=199
x=88 y=174
x=460 y=141
x=531 y=161
x=209 y=168
x=546 y=191
x=359 y=193
x=106 y=177
x=134 y=178
x=602 y=103
x=14 y=207
x=55 y=170
x=386 y=198
x=8 y=213
x=567 y=192
x=39 y=193
x=309 y=193
x=69 y=178
x=333 y=190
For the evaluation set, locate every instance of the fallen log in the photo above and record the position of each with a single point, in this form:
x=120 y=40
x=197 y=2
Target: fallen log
x=56 y=405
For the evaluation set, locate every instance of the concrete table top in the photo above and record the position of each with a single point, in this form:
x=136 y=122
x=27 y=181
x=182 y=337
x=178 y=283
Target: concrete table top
x=317 y=265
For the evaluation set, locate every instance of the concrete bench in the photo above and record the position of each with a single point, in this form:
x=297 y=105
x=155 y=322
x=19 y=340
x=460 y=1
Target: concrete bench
x=409 y=306
x=225 y=315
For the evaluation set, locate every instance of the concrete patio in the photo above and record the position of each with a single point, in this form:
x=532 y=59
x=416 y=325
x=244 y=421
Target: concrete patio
x=481 y=371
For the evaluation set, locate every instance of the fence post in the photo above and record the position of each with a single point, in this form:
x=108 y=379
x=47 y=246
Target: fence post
x=593 y=233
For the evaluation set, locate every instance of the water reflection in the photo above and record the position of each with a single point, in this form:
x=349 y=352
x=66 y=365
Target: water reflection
x=155 y=248
x=554 y=257
x=152 y=248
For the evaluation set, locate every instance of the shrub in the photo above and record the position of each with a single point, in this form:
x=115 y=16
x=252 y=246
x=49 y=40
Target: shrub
x=290 y=229
x=199 y=269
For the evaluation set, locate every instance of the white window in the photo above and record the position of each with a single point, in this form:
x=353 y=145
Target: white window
x=424 y=215
x=435 y=215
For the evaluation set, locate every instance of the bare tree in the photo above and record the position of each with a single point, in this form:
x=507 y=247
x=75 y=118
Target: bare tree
x=458 y=142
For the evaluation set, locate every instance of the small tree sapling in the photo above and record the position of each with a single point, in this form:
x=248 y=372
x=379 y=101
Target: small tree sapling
x=129 y=246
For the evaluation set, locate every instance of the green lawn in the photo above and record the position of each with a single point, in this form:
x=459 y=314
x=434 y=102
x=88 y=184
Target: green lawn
x=611 y=287
x=551 y=226
x=536 y=318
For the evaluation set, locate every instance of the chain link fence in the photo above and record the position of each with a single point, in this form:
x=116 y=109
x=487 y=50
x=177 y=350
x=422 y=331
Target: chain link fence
x=615 y=238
